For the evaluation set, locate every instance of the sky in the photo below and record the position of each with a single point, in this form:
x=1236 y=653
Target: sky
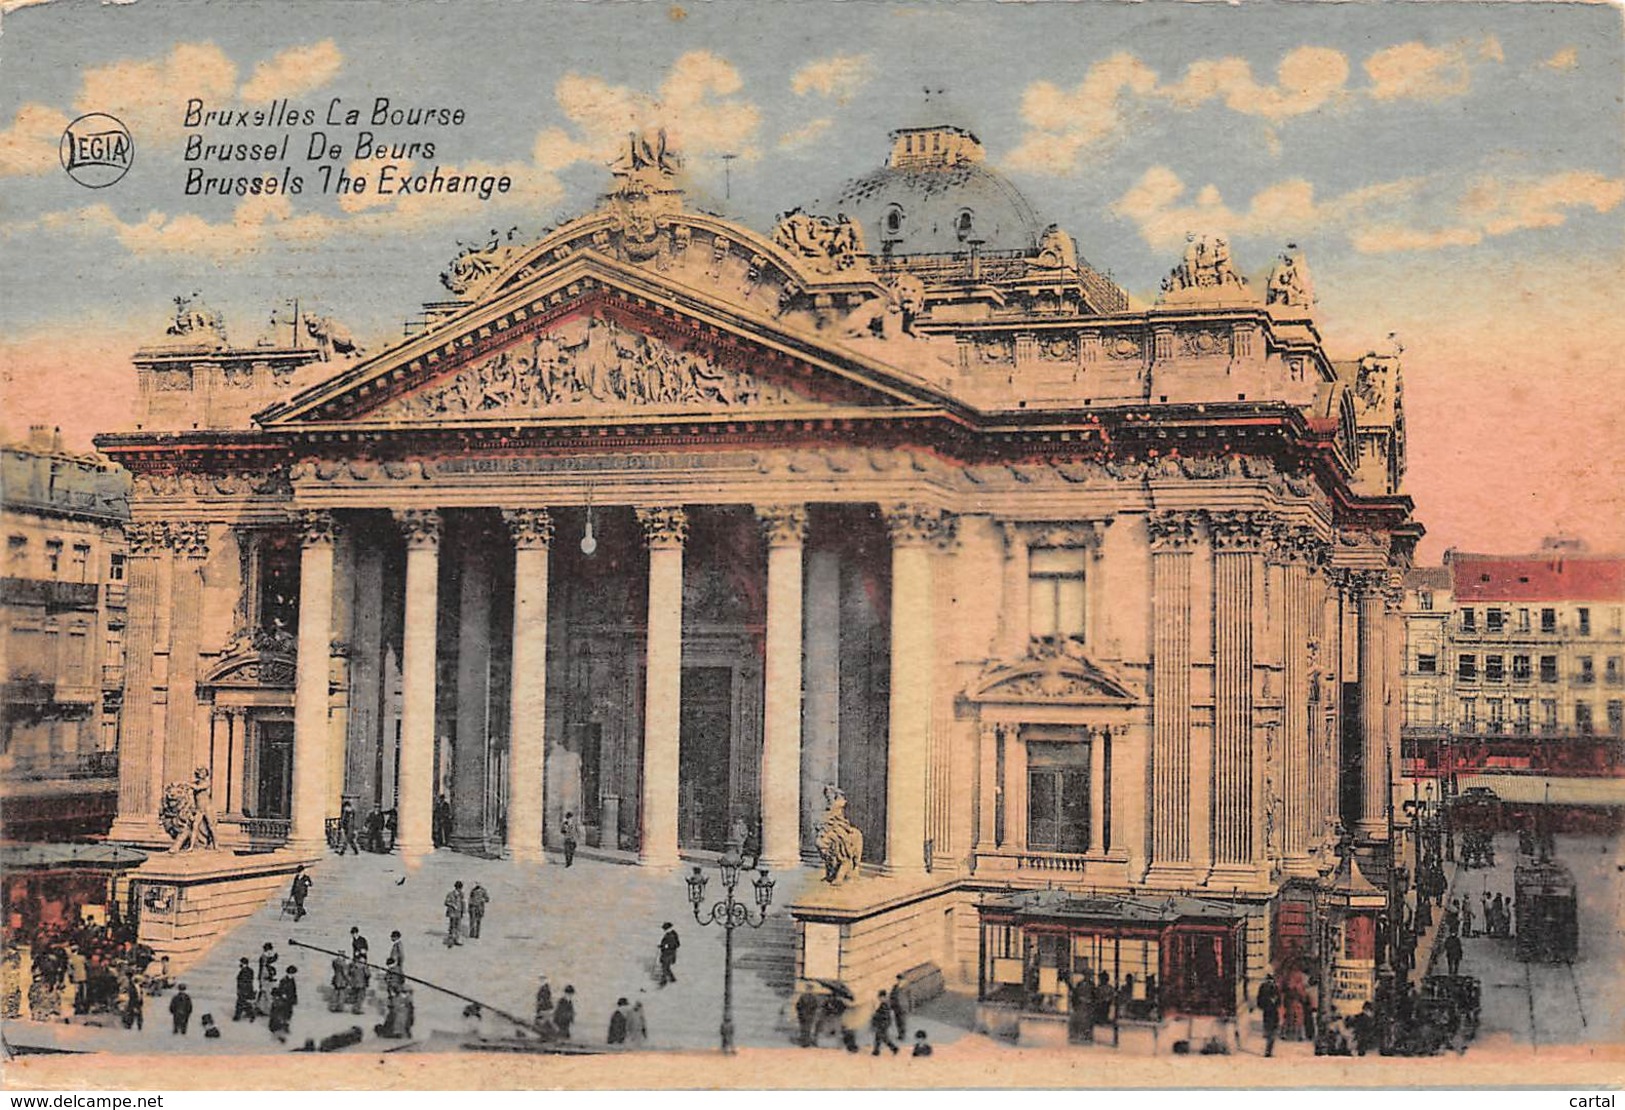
x=1454 y=172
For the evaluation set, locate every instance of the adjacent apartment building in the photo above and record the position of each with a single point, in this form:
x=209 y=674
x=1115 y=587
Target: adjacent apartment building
x=1516 y=662
x=62 y=602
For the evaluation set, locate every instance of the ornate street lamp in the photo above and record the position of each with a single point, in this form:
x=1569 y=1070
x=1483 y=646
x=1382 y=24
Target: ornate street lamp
x=730 y=914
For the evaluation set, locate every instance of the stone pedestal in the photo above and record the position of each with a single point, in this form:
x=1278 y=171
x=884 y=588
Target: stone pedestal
x=189 y=900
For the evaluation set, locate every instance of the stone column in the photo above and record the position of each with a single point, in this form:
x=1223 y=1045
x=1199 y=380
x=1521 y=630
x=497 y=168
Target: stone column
x=1393 y=705
x=1015 y=790
x=1372 y=823
x=987 y=786
x=1236 y=541
x=233 y=795
x=532 y=538
x=415 y=789
x=1298 y=793
x=310 y=696
x=785 y=529
x=471 y=752
x=1172 y=536
x=1017 y=619
x=915 y=531
x=190 y=541
x=137 y=804
x=665 y=531
x=1098 y=792
x=821 y=735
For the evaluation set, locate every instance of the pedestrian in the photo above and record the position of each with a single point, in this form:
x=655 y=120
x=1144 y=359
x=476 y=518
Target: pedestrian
x=669 y=943
x=477 y=900
x=340 y=984
x=79 y=976
x=617 y=1022
x=374 y=831
x=355 y=989
x=880 y=1025
x=180 y=1009
x=397 y=953
x=347 y=828
x=1466 y=917
x=897 y=1008
x=564 y=1014
x=1104 y=994
x=359 y=948
x=570 y=830
x=544 y=1003
x=455 y=905
x=1080 y=1018
x=922 y=1047
x=394 y=979
x=301 y=889
x=637 y=1026
x=134 y=1005
x=1268 y=1002
x=283 y=1000
x=245 y=991
x=441 y=831
x=1452 y=954
x=808 y=1006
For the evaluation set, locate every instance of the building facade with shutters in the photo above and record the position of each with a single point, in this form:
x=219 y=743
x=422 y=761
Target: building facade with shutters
x=686 y=528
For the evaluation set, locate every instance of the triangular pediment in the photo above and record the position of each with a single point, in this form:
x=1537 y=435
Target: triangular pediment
x=1050 y=678
x=595 y=339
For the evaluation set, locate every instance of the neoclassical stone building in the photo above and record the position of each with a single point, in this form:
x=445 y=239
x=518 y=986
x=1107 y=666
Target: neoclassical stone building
x=673 y=524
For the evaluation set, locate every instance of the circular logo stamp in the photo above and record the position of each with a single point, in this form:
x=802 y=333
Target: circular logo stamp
x=97 y=150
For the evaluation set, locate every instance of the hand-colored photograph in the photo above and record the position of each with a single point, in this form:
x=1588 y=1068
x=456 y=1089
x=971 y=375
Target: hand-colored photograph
x=834 y=545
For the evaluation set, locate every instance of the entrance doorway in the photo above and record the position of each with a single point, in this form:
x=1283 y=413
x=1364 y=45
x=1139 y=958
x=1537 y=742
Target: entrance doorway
x=706 y=740
x=275 y=786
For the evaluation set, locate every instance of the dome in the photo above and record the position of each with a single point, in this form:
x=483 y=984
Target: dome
x=935 y=196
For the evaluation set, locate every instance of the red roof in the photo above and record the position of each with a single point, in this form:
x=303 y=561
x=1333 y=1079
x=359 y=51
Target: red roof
x=1555 y=577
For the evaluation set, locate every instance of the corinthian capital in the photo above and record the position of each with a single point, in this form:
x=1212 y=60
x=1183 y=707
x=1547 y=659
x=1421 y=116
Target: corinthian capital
x=1239 y=530
x=189 y=538
x=146 y=537
x=421 y=527
x=1173 y=530
x=664 y=527
x=783 y=525
x=914 y=525
x=316 y=526
x=531 y=529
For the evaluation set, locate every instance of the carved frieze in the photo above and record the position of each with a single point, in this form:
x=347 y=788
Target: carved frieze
x=531 y=528
x=1232 y=530
x=783 y=525
x=1051 y=676
x=825 y=244
x=233 y=484
x=1056 y=533
x=585 y=364
x=1204 y=342
x=421 y=527
x=146 y=537
x=1121 y=348
x=1058 y=348
x=189 y=538
x=663 y=527
x=316 y=526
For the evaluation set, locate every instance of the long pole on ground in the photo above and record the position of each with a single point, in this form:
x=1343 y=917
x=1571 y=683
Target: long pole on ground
x=521 y=1022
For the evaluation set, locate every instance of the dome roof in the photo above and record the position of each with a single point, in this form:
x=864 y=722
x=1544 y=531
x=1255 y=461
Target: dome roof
x=935 y=196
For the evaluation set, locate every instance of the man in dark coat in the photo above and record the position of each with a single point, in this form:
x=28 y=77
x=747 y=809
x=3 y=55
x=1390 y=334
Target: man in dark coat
x=442 y=822
x=180 y=1008
x=396 y=952
x=570 y=830
x=808 y=1007
x=301 y=889
x=564 y=1014
x=1269 y=1008
x=347 y=828
x=1080 y=1021
x=898 y=1011
x=359 y=948
x=617 y=1023
x=1452 y=953
x=477 y=901
x=245 y=991
x=455 y=904
x=669 y=943
x=880 y=1025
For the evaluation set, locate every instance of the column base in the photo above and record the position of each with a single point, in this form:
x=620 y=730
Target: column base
x=1371 y=828
x=409 y=851
x=1301 y=867
x=660 y=861
x=1175 y=875
x=901 y=870
x=531 y=856
x=787 y=863
x=142 y=831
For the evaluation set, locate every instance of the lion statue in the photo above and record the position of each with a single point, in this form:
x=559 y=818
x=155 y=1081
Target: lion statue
x=839 y=841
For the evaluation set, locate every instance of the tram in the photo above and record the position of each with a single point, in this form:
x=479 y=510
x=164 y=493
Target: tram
x=1547 y=918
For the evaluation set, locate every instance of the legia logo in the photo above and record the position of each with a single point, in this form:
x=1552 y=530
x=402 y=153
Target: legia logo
x=97 y=150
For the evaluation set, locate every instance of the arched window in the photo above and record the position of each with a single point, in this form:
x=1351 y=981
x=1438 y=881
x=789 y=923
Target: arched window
x=964 y=224
x=893 y=222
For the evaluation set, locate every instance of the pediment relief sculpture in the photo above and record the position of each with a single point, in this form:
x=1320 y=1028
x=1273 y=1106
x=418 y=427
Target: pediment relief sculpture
x=1051 y=675
x=588 y=363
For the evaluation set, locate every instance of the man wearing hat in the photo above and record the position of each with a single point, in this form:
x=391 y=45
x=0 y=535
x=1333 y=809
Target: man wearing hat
x=668 y=954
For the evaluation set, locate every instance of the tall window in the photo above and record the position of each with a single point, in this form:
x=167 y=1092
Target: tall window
x=1520 y=716
x=1582 y=717
x=17 y=556
x=1424 y=600
x=1058 y=797
x=53 y=557
x=1055 y=592
x=1523 y=620
x=1469 y=620
x=1494 y=620
x=1588 y=673
x=79 y=569
x=1494 y=669
x=115 y=566
x=1548 y=668
x=1520 y=668
x=1611 y=671
x=1469 y=714
x=1616 y=717
x=1548 y=621
x=1548 y=714
x=1467 y=668
x=1497 y=714
x=1584 y=616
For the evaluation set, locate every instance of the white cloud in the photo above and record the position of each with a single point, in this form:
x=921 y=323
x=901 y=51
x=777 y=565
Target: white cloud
x=1565 y=59
x=1416 y=71
x=838 y=77
x=1063 y=122
x=805 y=134
x=149 y=96
x=1496 y=206
x=1305 y=80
